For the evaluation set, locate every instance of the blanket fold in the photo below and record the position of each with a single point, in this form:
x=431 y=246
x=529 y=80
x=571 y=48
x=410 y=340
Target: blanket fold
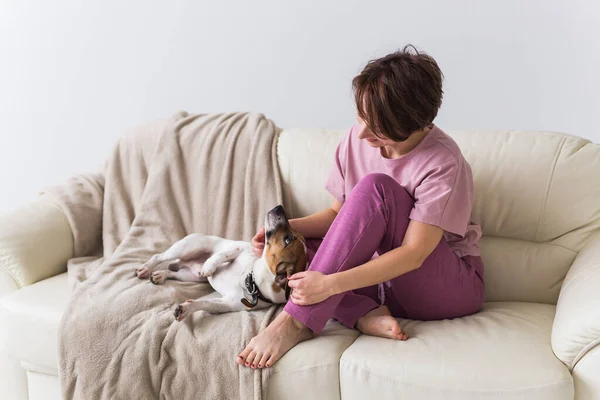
x=214 y=174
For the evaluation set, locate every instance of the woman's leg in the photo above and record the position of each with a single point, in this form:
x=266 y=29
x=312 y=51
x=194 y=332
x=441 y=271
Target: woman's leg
x=445 y=286
x=373 y=218
x=364 y=299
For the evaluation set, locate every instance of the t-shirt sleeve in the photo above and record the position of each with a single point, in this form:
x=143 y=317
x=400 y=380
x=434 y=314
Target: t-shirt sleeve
x=336 y=179
x=445 y=198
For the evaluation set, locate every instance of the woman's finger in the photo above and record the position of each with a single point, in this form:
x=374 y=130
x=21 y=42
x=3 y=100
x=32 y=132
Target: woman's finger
x=260 y=236
x=298 y=275
x=293 y=284
x=297 y=285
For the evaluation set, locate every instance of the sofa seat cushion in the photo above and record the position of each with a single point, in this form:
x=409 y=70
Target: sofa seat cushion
x=503 y=352
x=30 y=318
x=311 y=369
x=29 y=321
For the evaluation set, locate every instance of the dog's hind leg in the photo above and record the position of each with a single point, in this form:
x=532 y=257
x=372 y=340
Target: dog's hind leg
x=186 y=249
x=160 y=261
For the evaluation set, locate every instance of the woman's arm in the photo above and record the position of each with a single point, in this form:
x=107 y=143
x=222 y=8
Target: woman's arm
x=317 y=225
x=419 y=242
x=311 y=287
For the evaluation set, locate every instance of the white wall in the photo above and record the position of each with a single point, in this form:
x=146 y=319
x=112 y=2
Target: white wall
x=75 y=74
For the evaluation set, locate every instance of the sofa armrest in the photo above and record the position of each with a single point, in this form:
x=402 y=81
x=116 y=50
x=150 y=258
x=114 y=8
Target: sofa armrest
x=35 y=243
x=585 y=375
x=576 y=327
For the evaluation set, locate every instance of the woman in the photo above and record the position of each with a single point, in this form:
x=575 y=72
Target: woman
x=397 y=239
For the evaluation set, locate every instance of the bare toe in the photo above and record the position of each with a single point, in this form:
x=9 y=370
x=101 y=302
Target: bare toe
x=241 y=358
x=271 y=344
x=397 y=331
x=250 y=358
x=263 y=361
x=270 y=362
x=257 y=358
x=380 y=323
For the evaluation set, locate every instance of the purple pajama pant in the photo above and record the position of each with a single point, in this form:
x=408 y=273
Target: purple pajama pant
x=374 y=218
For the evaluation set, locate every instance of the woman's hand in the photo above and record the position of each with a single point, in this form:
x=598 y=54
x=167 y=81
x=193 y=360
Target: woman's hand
x=311 y=287
x=258 y=242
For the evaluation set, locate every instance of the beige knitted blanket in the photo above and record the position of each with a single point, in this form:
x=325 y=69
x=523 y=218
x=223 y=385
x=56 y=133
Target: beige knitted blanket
x=215 y=174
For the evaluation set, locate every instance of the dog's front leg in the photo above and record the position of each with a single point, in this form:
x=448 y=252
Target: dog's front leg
x=213 y=305
x=217 y=260
x=184 y=274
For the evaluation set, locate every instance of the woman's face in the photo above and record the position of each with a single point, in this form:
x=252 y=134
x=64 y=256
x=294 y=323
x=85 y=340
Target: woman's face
x=366 y=134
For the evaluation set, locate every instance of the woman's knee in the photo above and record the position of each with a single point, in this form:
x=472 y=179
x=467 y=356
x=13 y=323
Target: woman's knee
x=380 y=184
x=377 y=178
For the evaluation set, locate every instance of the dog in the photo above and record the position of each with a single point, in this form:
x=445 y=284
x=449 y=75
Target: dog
x=241 y=279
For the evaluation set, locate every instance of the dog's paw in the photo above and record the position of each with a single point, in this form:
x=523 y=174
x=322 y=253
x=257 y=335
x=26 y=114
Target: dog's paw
x=182 y=310
x=158 y=277
x=143 y=272
x=207 y=270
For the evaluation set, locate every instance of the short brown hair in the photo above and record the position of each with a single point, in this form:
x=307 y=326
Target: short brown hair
x=399 y=94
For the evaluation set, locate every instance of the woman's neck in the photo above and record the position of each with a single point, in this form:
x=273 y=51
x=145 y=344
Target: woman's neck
x=400 y=149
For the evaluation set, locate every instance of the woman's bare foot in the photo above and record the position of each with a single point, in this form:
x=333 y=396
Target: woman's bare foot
x=379 y=322
x=268 y=346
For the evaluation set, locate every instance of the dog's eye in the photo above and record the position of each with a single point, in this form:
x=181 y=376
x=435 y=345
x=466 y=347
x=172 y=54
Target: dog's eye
x=288 y=240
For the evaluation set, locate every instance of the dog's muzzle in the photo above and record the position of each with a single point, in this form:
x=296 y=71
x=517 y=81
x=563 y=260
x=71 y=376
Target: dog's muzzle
x=275 y=218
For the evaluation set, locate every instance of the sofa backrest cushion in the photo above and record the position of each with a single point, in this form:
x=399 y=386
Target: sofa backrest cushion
x=537 y=200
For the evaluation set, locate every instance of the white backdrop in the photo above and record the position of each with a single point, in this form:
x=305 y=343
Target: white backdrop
x=74 y=75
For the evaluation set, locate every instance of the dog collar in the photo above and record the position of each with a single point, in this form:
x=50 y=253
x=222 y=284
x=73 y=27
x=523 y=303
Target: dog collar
x=251 y=292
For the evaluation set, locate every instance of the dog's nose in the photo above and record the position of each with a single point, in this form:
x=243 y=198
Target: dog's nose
x=278 y=210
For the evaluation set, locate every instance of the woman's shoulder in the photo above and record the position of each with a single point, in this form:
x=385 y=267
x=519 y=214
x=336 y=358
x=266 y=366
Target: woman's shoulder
x=443 y=146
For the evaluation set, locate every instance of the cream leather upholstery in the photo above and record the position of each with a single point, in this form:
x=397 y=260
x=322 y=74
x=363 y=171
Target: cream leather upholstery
x=538 y=336
x=480 y=356
x=36 y=244
x=33 y=316
x=313 y=365
x=577 y=323
x=585 y=375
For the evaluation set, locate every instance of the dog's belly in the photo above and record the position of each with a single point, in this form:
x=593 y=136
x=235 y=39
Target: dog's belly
x=226 y=280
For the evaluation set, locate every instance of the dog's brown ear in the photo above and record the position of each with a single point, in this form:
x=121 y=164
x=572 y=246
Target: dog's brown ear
x=300 y=236
x=288 y=291
x=301 y=263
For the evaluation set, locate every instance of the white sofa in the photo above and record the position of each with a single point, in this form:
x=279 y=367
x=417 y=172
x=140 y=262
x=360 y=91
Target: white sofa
x=537 y=337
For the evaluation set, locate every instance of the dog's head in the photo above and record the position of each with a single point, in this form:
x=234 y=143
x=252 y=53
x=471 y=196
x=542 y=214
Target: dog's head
x=285 y=251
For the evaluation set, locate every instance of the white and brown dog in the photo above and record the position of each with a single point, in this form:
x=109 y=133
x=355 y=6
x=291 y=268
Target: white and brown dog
x=240 y=278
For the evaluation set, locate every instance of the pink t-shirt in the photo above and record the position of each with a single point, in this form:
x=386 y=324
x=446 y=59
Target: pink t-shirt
x=434 y=173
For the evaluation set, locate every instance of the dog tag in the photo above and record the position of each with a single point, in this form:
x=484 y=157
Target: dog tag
x=250 y=299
